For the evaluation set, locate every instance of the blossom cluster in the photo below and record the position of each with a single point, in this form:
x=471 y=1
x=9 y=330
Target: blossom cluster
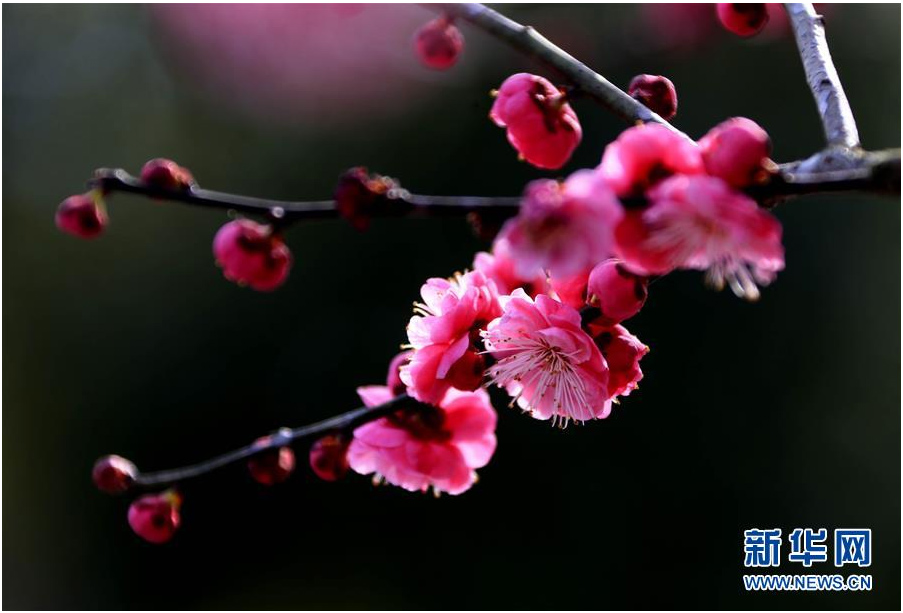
x=541 y=315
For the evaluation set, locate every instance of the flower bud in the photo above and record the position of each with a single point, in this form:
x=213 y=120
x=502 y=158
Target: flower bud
x=615 y=291
x=166 y=174
x=656 y=93
x=155 y=517
x=737 y=151
x=273 y=465
x=359 y=196
x=83 y=216
x=439 y=43
x=743 y=19
x=251 y=253
x=329 y=457
x=113 y=474
x=540 y=124
x=393 y=381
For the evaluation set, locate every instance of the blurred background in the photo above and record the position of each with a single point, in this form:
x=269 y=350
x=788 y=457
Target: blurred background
x=784 y=413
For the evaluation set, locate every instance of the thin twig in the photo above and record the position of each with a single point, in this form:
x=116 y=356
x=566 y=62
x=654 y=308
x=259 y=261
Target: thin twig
x=285 y=212
x=286 y=436
x=279 y=438
x=530 y=42
x=833 y=106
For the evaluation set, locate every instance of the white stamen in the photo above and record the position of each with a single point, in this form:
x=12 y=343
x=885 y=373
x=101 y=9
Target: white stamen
x=541 y=368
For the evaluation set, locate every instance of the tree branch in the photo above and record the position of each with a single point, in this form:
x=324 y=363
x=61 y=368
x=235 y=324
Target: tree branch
x=530 y=42
x=284 y=212
x=287 y=436
x=833 y=106
x=835 y=170
x=279 y=438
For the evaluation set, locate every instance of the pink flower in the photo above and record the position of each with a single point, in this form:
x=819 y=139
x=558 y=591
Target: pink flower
x=541 y=125
x=439 y=43
x=155 y=517
x=393 y=377
x=743 y=19
x=250 y=253
x=81 y=216
x=443 y=335
x=501 y=268
x=546 y=362
x=701 y=223
x=737 y=151
x=166 y=174
x=656 y=93
x=273 y=465
x=329 y=457
x=114 y=474
x=570 y=290
x=623 y=352
x=563 y=227
x=615 y=291
x=644 y=155
x=426 y=446
x=360 y=195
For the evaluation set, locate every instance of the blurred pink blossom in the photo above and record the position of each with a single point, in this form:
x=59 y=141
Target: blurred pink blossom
x=315 y=63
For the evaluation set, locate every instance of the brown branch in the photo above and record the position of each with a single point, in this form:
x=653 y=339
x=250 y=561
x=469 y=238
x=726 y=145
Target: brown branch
x=833 y=106
x=286 y=436
x=283 y=212
x=279 y=438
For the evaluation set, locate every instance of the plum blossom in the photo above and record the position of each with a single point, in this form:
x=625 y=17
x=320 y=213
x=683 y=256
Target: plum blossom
x=166 y=174
x=393 y=376
x=251 y=253
x=426 y=446
x=615 y=291
x=439 y=43
x=570 y=290
x=443 y=333
x=565 y=228
x=700 y=223
x=743 y=19
x=501 y=268
x=329 y=456
x=737 y=151
x=541 y=126
x=83 y=215
x=656 y=92
x=546 y=362
x=644 y=155
x=623 y=352
x=155 y=517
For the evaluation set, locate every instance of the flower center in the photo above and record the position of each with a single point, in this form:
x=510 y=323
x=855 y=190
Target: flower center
x=542 y=373
x=424 y=422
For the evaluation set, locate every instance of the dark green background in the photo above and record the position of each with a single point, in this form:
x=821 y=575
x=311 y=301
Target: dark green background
x=784 y=413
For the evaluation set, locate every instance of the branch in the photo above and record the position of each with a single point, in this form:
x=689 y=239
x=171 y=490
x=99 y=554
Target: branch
x=835 y=170
x=285 y=212
x=833 y=107
x=530 y=42
x=832 y=170
x=287 y=436
x=280 y=438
